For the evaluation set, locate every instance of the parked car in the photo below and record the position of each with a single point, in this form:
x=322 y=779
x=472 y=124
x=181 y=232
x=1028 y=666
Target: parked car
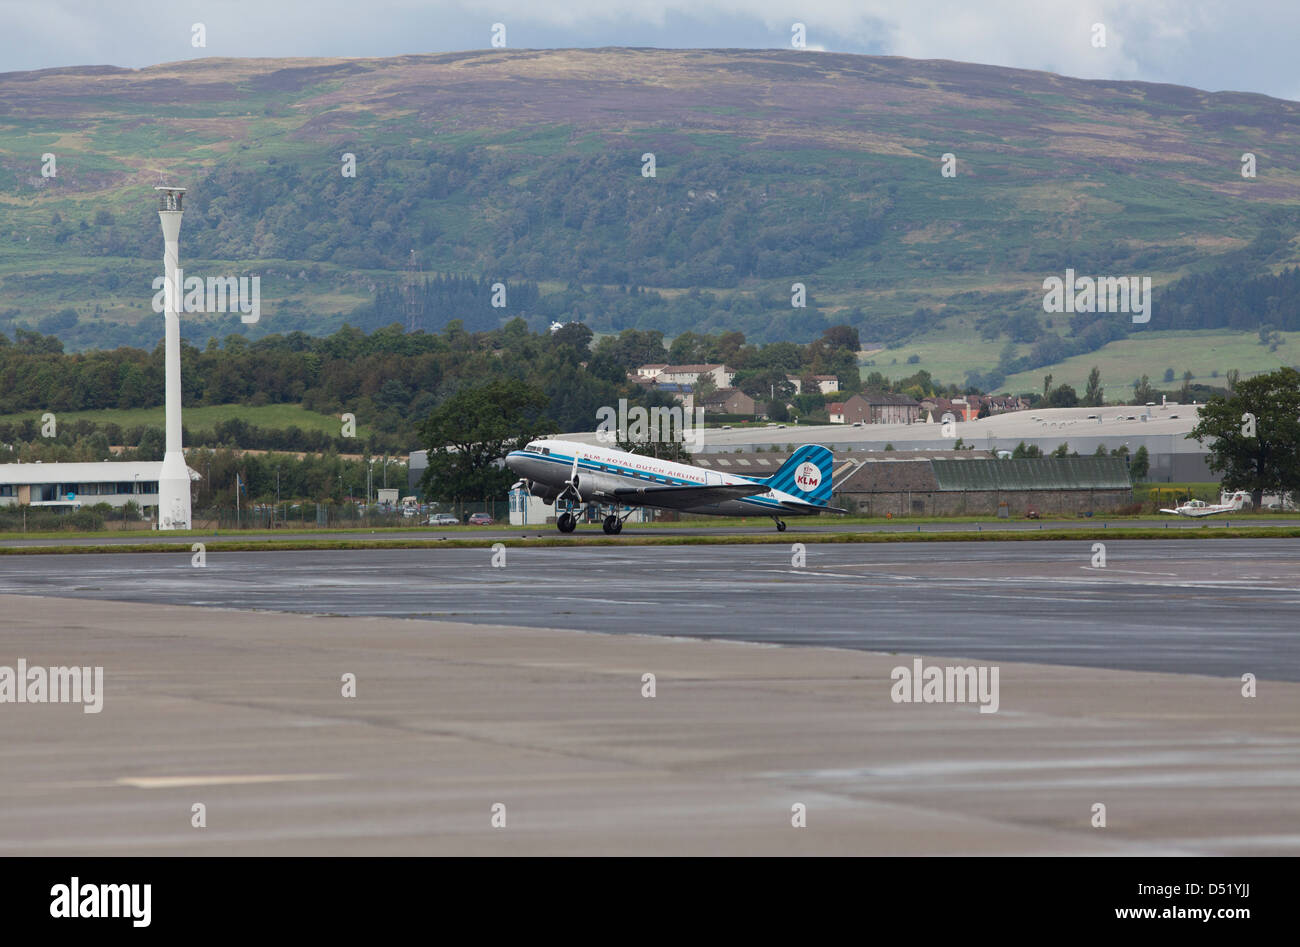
x=442 y=519
x=480 y=519
x=1031 y=514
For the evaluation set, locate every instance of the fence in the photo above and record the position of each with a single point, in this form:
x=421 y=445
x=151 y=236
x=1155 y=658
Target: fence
x=289 y=516
x=305 y=516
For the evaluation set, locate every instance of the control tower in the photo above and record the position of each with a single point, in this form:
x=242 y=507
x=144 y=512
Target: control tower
x=174 y=482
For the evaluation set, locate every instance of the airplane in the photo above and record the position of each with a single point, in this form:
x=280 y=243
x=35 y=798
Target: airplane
x=1200 y=508
x=570 y=474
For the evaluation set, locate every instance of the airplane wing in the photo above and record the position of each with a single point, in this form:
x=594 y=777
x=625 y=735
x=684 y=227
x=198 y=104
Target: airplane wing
x=679 y=497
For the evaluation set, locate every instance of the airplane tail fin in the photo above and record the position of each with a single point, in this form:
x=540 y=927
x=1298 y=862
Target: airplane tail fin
x=806 y=475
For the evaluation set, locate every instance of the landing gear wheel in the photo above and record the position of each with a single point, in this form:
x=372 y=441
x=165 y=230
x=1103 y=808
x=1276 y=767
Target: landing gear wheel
x=612 y=526
x=780 y=526
x=566 y=523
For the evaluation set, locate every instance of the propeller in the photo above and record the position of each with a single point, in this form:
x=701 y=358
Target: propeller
x=574 y=480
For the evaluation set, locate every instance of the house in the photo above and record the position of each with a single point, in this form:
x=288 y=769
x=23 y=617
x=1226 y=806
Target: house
x=826 y=383
x=836 y=411
x=797 y=381
x=721 y=375
x=650 y=371
x=684 y=395
x=961 y=409
x=730 y=401
x=1003 y=405
x=881 y=407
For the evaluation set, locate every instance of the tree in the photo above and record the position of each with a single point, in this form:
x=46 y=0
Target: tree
x=1021 y=451
x=1260 y=453
x=1143 y=392
x=1063 y=397
x=1047 y=384
x=472 y=431
x=1062 y=450
x=777 y=411
x=1140 y=466
x=1092 y=395
x=574 y=334
x=842 y=337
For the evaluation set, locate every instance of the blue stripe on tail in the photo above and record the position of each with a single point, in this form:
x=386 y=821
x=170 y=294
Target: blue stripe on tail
x=806 y=475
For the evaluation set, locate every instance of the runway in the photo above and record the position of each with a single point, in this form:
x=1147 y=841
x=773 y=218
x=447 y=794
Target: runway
x=222 y=689
x=450 y=724
x=1215 y=607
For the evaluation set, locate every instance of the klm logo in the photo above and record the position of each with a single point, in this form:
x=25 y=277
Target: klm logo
x=807 y=477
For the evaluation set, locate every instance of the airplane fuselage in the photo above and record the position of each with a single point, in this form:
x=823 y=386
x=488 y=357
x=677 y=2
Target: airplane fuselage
x=549 y=465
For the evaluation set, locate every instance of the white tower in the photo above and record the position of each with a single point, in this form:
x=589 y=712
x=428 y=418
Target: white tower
x=174 y=484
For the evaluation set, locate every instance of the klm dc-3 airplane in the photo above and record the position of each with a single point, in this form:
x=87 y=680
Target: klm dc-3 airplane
x=570 y=474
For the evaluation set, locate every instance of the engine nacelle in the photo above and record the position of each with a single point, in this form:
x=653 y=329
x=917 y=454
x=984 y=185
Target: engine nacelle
x=544 y=493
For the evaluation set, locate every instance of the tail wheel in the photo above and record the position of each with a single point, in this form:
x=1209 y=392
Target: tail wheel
x=566 y=523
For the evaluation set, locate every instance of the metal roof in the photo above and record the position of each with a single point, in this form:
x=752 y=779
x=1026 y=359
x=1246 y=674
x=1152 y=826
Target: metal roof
x=105 y=472
x=1038 y=473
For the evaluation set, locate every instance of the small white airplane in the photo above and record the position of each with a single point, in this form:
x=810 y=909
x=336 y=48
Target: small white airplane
x=1229 y=503
x=570 y=474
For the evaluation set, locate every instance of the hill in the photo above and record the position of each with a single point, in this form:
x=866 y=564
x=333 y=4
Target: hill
x=526 y=167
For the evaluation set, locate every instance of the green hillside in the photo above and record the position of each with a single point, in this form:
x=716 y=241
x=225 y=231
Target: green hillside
x=525 y=167
x=1203 y=353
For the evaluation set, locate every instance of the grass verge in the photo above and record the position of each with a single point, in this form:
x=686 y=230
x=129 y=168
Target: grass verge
x=768 y=539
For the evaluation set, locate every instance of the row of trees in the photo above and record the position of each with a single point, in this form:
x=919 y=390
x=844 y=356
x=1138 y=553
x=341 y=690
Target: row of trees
x=391 y=379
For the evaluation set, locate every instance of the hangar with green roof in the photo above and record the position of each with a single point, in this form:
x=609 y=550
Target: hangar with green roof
x=980 y=485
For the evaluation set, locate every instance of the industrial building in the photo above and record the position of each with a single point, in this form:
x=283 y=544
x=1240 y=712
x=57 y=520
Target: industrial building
x=982 y=485
x=1161 y=429
x=71 y=486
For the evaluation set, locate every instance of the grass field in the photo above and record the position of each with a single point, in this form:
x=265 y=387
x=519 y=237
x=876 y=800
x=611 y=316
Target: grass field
x=1202 y=352
x=946 y=358
x=203 y=418
x=1205 y=531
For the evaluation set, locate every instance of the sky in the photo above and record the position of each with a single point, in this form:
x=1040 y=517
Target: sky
x=1217 y=45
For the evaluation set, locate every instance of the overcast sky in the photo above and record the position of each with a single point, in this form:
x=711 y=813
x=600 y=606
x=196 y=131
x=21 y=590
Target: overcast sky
x=1242 y=45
